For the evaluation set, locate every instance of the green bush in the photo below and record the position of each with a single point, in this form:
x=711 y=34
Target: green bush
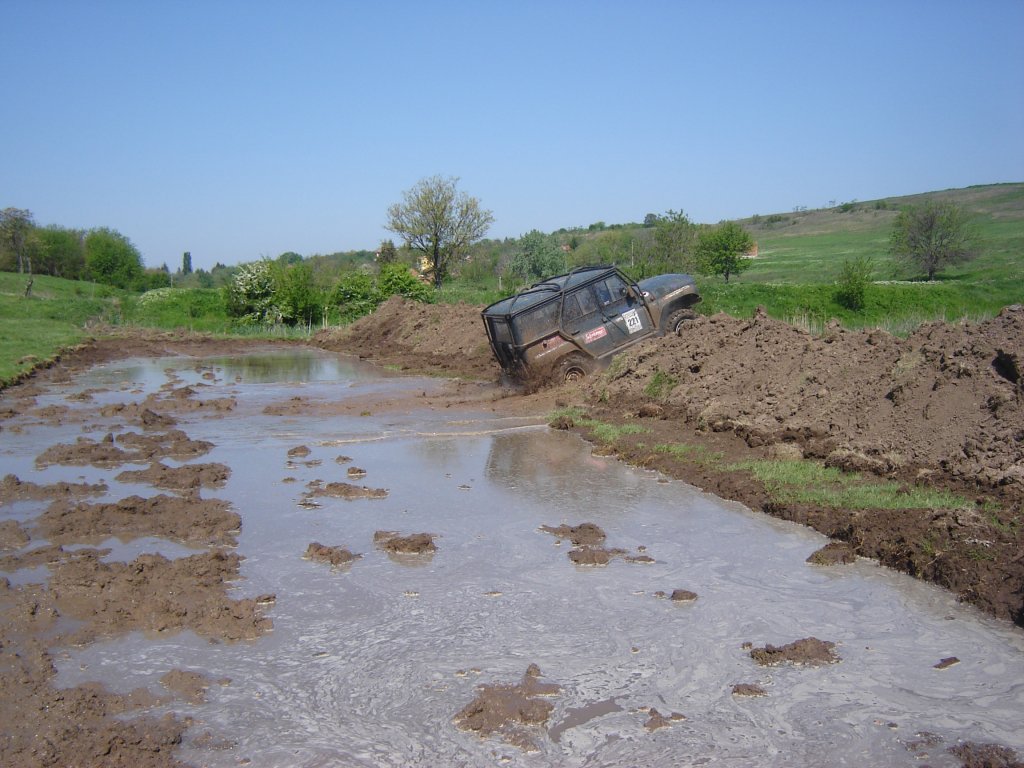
x=854 y=278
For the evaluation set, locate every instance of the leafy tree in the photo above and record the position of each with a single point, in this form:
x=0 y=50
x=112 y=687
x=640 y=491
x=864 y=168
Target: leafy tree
x=111 y=258
x=932 y=235
x=16 y=225
x=61 y=252
x=721 y=250
x=538 y=256
x=650 y=220
x=674 y=239
x=186 y=263
x=295 y=295
x=439 y=222
x=387 y=253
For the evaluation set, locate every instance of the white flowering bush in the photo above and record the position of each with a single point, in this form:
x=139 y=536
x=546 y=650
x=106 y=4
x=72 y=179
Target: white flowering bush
x=155 y=296
x=251 y=295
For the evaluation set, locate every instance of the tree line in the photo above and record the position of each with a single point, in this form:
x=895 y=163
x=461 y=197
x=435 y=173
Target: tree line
x=442 y=233
x=101 y=254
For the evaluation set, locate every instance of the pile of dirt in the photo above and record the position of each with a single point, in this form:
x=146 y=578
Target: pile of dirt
x=448 y=339
x=947 y=400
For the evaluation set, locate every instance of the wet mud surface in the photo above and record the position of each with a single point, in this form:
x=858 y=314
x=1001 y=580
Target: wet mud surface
x=631 y=679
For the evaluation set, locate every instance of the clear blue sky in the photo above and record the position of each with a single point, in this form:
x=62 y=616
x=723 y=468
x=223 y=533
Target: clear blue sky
x=237 y=130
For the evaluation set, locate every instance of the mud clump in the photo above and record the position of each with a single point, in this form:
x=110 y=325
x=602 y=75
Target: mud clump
x=678 y=595
x=582 y=535
x=184 y=478
x=748 y=689
x=335 y=556
x=974 y=755
x=342 y=490
x=141 y=414
x=155 y=594
x=413 y=544
x=138 y=449
x=657 y=720
x=510 y=711
x=13 y=489
x=810 y=652
x=833 y=553
x=587 y=539
x=190 y=520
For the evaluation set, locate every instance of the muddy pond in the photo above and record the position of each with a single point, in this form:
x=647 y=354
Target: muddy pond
x=501 y=640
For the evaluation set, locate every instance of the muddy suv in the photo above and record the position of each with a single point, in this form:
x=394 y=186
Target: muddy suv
x=569 y=325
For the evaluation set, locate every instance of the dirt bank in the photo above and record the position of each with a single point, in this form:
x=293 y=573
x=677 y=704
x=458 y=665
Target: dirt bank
x=943 y=408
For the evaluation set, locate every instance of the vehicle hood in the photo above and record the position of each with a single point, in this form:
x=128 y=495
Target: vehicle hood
x=660 y=286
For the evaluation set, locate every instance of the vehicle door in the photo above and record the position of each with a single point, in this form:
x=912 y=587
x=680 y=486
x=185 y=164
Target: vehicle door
x=605 y=315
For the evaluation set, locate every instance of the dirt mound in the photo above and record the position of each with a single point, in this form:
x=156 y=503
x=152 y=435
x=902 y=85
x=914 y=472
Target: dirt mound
x=949 y=398
x=436 y=338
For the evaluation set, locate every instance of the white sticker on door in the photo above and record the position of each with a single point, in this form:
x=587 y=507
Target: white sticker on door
x=633 y=322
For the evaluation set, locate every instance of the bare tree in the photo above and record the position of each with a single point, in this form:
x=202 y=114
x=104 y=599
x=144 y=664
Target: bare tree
x=439 y=222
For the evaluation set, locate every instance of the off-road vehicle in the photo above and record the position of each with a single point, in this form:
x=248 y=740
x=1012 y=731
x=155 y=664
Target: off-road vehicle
x=569 y=325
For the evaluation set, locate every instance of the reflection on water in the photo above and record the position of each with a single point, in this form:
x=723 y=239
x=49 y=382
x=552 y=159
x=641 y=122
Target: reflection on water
x=368 y=665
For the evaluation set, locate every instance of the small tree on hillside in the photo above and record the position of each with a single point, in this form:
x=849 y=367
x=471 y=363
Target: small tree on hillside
x=439 y=222
x=674 y=239
x=15 y=226
x=932 y=235
x=722 y=250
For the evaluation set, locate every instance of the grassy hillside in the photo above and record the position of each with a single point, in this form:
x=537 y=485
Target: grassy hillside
x=34 y=328
x=809 y=246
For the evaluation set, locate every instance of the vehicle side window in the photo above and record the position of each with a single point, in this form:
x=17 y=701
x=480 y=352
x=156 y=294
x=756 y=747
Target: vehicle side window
x=578 y=304
x=604 y=296
x=615 y=287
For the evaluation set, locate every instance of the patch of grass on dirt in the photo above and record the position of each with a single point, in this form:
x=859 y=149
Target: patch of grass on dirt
x=810 y=482
x=601 y=430
x=695 y=453
x=660 y=385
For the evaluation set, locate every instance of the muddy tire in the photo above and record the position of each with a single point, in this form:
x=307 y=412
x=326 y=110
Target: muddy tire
x=678 y=319
x=574 y=368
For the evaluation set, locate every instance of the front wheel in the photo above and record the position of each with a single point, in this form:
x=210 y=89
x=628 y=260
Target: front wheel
x=574 y=368
x=678 y=319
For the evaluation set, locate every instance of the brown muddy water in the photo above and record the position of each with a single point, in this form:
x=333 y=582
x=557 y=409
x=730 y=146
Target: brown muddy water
x=370 y=663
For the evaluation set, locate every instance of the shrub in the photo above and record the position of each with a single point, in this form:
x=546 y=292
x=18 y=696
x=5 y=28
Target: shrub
x=854 y=278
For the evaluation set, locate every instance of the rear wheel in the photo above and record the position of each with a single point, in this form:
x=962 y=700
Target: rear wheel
x=678 y=319
x=575 y=367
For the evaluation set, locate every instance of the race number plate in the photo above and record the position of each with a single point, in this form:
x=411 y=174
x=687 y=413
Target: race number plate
x=633 y=322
